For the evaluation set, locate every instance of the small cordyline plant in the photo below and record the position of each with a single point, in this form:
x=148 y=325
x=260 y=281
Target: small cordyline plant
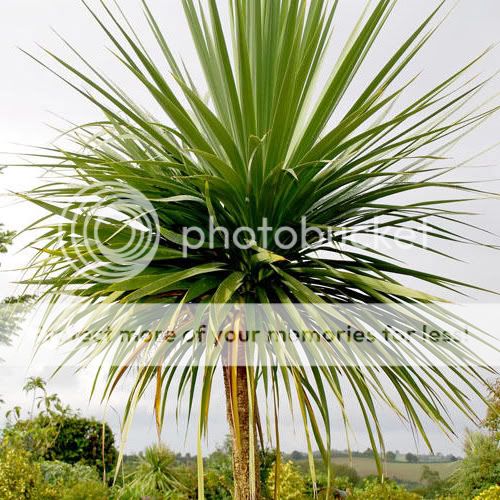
x=265 y=138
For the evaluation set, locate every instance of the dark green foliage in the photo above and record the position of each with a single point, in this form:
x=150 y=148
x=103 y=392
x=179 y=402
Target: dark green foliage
x=70 y=439
x=80 y=440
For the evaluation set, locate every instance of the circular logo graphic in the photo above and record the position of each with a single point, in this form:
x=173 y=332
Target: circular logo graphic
x=113 y=232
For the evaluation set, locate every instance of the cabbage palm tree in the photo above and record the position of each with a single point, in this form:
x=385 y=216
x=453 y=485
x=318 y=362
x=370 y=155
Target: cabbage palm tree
x=154 y=476
x=264 y=137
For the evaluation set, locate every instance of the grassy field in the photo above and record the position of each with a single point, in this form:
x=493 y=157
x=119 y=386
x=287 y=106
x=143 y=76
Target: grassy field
x=402 y=471
x=398 y=470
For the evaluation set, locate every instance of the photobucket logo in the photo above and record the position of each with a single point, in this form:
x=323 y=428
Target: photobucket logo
x=376 y=235
x=244 y=237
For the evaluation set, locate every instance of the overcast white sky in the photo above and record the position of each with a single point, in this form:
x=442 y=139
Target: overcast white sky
x=29 y=94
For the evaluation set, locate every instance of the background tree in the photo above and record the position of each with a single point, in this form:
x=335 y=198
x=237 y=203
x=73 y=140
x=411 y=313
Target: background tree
x=57 y=433
x=435 y=487
x=261 y=139
x=68 y=438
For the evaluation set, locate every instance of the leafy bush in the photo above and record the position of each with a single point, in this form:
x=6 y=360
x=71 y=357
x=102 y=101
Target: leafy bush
x=341 y=471
x=20 y=478
x=219 y=482
x=480 y=468
x=492 y=493
x=434 y=486
x=65 y=474
x=267 y=459
x=342 y=483
x=131 y=492
x=292 y=485
x=217 y=486
x=71 y=439
x=74 y=482
x=86 y=490
x=344 y=478
x=374 y=490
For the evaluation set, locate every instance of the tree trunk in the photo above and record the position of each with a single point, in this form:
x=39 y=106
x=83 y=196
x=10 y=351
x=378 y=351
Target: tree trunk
x=245 y=487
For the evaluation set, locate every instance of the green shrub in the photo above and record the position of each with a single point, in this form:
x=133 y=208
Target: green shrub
x=58 y=472
x=338 y=483
x=480 y=468
x=86 y=490
x=217 y=486
x=21 y=478
x=492 y=493
x=74 y=482
x=341 y=471
x=267 y=460
x=343 y=483
x=292 y=485
x=388 y=490
x=218 y=481
x=131 y=492
x=71 y=439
